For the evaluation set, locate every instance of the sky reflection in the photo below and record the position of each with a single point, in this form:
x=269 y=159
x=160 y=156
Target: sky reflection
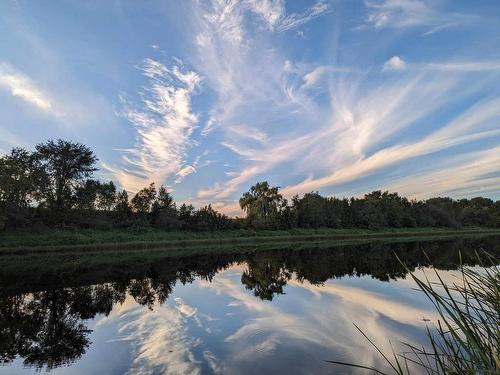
x=262 y=315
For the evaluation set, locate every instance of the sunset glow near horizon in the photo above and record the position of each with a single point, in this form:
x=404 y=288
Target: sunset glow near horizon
x=209 y=97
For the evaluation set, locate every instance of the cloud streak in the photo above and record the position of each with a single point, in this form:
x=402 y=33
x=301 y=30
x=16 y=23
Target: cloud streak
x=402 y=14
x=164 y=123
x=21 y=86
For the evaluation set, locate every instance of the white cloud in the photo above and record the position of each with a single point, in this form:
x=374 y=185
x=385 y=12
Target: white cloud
x=410 y=13
x=23 y=87
x=183 y=173
x=209 y=125
x=398 y=13
x=150 y=332
x=395 y=63
x=246 y=132
x=164 y=124
x=313 y=77
x=462 y=175
x=266 y=115
x=478 y=122
x=294 y=20
x=465 y=66
x=247 y=111
x=228 y=18
x=271 y=11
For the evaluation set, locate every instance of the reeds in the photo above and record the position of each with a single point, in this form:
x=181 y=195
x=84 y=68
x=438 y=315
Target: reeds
x=466 y=338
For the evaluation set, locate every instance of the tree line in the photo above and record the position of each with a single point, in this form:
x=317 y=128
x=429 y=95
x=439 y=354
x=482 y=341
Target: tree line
x=54 y=186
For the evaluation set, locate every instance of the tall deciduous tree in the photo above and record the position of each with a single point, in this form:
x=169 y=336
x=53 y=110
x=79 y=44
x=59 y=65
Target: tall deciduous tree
x=86 y=195
x=106 y=196
x=66 y=164
x=263 y=204
x=143 y=200
x=262 y=200
x=21 y=178
x=122 y=206
x=164 y=200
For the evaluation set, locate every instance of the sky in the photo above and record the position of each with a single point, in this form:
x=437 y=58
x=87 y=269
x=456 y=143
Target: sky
x=208 y=97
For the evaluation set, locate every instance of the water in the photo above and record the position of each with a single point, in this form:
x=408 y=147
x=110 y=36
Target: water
x=284 y=310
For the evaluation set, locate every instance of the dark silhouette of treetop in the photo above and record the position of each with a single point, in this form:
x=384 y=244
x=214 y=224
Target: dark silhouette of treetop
x=66 y=164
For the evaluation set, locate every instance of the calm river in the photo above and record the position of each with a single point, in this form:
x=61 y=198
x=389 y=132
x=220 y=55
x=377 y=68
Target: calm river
x=266 y=311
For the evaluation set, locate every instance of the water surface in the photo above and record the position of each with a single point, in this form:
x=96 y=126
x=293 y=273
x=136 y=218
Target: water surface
x=284 y=310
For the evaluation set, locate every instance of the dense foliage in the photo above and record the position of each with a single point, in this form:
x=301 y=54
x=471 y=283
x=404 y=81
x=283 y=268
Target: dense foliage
x=54 y=186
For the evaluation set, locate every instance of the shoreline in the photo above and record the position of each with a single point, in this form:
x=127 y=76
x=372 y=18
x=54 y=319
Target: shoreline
x=97 y=240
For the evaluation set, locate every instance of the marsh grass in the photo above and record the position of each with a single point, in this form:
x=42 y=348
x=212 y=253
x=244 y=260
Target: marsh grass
x=466 y=338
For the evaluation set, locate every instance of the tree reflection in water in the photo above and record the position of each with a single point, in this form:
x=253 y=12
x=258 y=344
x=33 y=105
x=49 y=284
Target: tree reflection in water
x=46 y=328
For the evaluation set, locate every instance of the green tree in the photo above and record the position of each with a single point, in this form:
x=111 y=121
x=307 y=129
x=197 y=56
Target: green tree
x=86 y=195
x=206 y=218
x=262 y=204
x=163 y=200
x=21 y=178
x=106 y=196
x=164 y=212
x=122 y=207
x=186 y=213
x=66 y=165
x=142 y=202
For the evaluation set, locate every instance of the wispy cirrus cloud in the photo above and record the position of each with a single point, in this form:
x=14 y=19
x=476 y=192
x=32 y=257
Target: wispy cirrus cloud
x=360 y=137
x=316 y=75
x=474 y=173
x=164 y=123
x=273 y=13
x=466 y=66
x=360 y=131
x=410 y=13
x=295 y=20
x=478 y=122
x=23 y=87
x=244 y=109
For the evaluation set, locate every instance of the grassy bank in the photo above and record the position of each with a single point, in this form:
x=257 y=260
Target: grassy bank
x=53 y=240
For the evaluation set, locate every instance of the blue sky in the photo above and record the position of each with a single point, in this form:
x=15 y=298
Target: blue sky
x=208 y=97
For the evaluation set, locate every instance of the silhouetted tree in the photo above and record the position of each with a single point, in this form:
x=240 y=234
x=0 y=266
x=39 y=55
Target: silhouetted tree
x=164 y=212
x=122 y=207
x=106 y=196
x=66 y=165
x=143 y=200
x=21 y=178
x=22 y=181
x=186 y=213
x=86 y=195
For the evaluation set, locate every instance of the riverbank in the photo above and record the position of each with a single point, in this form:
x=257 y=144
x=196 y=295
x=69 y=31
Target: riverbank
x=81 y=239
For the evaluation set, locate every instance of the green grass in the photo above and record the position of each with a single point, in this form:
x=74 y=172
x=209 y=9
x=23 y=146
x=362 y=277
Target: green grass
x=54 y=239
x=57 y=237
